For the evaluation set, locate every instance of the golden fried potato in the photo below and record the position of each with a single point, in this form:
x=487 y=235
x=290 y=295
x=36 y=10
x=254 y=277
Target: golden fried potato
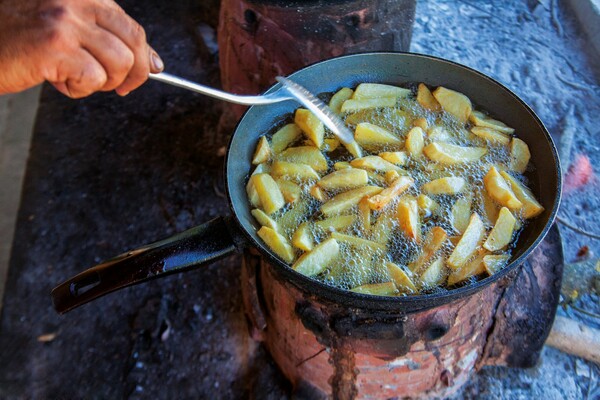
x=382 y=229
x=376 y=289
x=364 y=214
x=499 y=190
x=472 y=268
x=480 y=119
x=357 y=242
x=491 y=135
x=447 y=185
x=434 y=241
x=284 y=137
x=519 y=155
x=277 y=243
x=468 y=244
x=450 y=154
x=347 y=200
x=303 y=237
x=439 y=134
x=262 y=153
x=531 y=207
x=408 y=218
x=264 y=219
x=378 y=90
x=271 y=199
x=454 y=103
x=395 y=157
x=291 y=192
x=490 y=208
x=308 y=155
x=379 y=201
x=426 y=99
x=415 y=141
x=374 y=137
x=339 y=98
x=400 y=278
x=330 y=145
x=363 y=104
x=252 y=194
x=427 y=206
x=390 y=177
x=318 y=193
x=494 y=263
x=349 y=178
x=312 y=127
x=354 y=149
x=336 y=223
x=301 y=172
x=318 y=259
x=502 y=233
x=375 y=163
x=421 y=123
x=434 y=274
x=341 y=165
x=460 y=214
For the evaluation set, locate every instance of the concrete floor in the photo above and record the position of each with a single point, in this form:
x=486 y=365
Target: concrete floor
x=17 y=117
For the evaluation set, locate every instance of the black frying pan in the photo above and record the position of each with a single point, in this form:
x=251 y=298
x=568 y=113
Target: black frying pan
x=225 y=235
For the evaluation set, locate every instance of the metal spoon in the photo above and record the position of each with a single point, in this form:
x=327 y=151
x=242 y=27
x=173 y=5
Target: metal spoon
x=289 y=91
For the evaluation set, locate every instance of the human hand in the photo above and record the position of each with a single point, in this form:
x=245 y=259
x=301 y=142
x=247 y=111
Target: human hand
x=80 y=46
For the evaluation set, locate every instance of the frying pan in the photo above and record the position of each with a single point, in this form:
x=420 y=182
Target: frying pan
x=225 y=235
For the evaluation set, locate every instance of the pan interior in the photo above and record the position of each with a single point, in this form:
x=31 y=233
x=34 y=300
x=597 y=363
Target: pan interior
x=399 y=69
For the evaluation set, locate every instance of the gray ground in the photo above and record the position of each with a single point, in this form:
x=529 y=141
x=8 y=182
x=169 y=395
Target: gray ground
x=538 y=50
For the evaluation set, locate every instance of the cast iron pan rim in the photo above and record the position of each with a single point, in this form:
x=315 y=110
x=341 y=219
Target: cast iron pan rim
x=342 y=296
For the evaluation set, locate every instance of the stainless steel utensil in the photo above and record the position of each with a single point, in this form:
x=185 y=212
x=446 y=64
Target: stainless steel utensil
x=289 y=91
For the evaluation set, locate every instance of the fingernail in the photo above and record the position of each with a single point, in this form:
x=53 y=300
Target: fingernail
x=157 y=63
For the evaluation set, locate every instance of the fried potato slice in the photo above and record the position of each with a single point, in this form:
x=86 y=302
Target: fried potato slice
x=421 y=123
x=300 y=172
x=252 y=194
x=472 y=268
x=318 y=259
x=408 y=218
x=491 y=135
x=377 y=289
x=434 y=274
x=288 y=221
x=449 y=154
x=303 y=238
x=264 y=219
x=427 y=206
x=359 y=242
x=263 y=168
x=502 y=232
x=363 y=104
x=308 y=155
x=446 y=185
x=354 y=149
x=271 y=199
x=372 y=137
x=499 y=190
x=494 y=263
x=364 y=215
x=460 y=214
x=434 y=241
x=468 y=243
x=291 y=191
x=339 y=98
x=312 y=127
x=347 y=200
x=415 y=141
x=454 y=103
x=341 y=165
x=318 y=193
x=439 y=134
x=262 y=153
x=519 y=155
x=375 y=163
x=382 y=229
x=284 y=137
x=336 y=223
x=531 y=207
x=395 y=157
x=349 y=178
x=480 y=119
x=277 y=243
x=390 y=177
x=490 y=209
x=426 y=99
x=378 y=90
x=400 y=278
x=379 y=201
x=330 y=145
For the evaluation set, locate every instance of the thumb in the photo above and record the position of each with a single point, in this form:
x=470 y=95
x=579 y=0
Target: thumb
x=156 y=63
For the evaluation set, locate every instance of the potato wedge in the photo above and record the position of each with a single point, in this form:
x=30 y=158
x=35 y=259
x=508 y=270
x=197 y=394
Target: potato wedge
x=277 y=243
x=426 y=99
x=354 y=149
x=358 y=242
x=447 y=185
x=308 y=155
x=473 y=267
x=311 y=126
x=434 y=274
x=318 y=193
x=381 y=231
x=262 y=153
x=415 y=141
x=263 y=168
x=344 y=179
x=336 y=223
x=376 y=179
x=378 y=90
x=284 y=137
x=376 y=289
x=379 y=201
x=364 y=104
x=339 y=98
x=468 y=244
x=289 y=220
x=252 y=194
x=454 y=103
x=519 y=155
x=364 y=215
x=480 y=119
x=373 y=137
x=390 y=177
x=341 y=165
x=264 y=219
x=291 y=191
x=450 y=154
x=408 y=218
x=460 y=214
x=301 y=172
x=318 y=259
x=490 y=208
x=303 y=238
x=271 y=199
x=347 y=200
x=491 y=135
x=439 y=134
x=330 y=145
x=502 y=232
x=427 y=206
x=531 y=207
x=499 y=190
x=494 y=263
x=375 y=163
x=395 y=157
x=400 y=278
x=434 y=241
x=421 y=123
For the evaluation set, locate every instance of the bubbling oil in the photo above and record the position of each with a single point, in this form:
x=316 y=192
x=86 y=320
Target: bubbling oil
x=358 y=266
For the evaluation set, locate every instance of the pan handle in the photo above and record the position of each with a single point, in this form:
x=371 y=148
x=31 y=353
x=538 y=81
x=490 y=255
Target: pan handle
x=196 y=246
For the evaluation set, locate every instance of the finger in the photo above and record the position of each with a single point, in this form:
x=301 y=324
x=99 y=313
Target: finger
x=81 y=75
x=134 y=36
x=115 y=56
